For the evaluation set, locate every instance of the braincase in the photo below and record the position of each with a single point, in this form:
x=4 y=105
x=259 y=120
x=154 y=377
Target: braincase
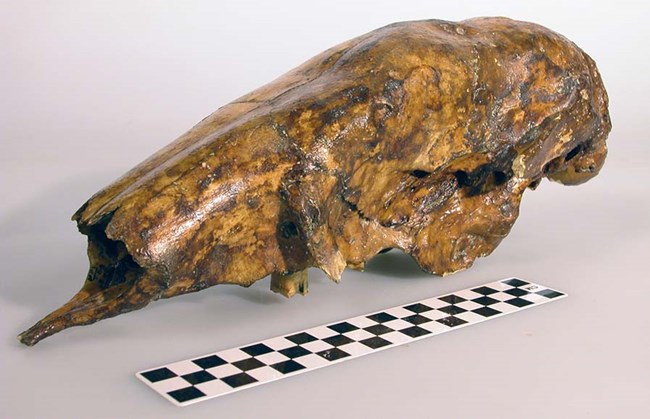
x=439 y=98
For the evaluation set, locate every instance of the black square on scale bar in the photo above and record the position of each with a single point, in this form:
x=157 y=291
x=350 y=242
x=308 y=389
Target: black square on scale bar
x=486 y=311
x=452 y=299
x=186 y=394
x=549 y=293
x=342 y=327
x=416 y=319
x=248 y=364
x=452 y=309
x=333 y=354
x=516 y=292
x=199 y=377
x=519 y=302
x=209 y=361
x=338 y=340
x=484 y=290
x=418 y=308
x=451 y=321
x=239 y=380
x=289 y=366
x=415 y=331
x=300 y=338
x=381 y=317
x=375 y=342
x=485 y=301
x=257 y=349
x=158 y=375
x=294 y=352
x=378 y=329
x=514 y=282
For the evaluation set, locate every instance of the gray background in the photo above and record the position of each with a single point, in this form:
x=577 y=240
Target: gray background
x=90 y=88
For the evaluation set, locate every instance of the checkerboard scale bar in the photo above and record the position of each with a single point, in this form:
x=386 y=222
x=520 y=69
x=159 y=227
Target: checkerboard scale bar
x=219 y=373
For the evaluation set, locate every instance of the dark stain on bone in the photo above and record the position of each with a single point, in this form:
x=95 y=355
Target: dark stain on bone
x=352 y=96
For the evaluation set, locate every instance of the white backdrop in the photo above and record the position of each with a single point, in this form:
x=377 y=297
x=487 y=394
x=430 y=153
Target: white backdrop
x=90 y=88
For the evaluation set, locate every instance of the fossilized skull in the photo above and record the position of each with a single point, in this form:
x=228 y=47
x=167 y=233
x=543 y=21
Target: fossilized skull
x=420 y=136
